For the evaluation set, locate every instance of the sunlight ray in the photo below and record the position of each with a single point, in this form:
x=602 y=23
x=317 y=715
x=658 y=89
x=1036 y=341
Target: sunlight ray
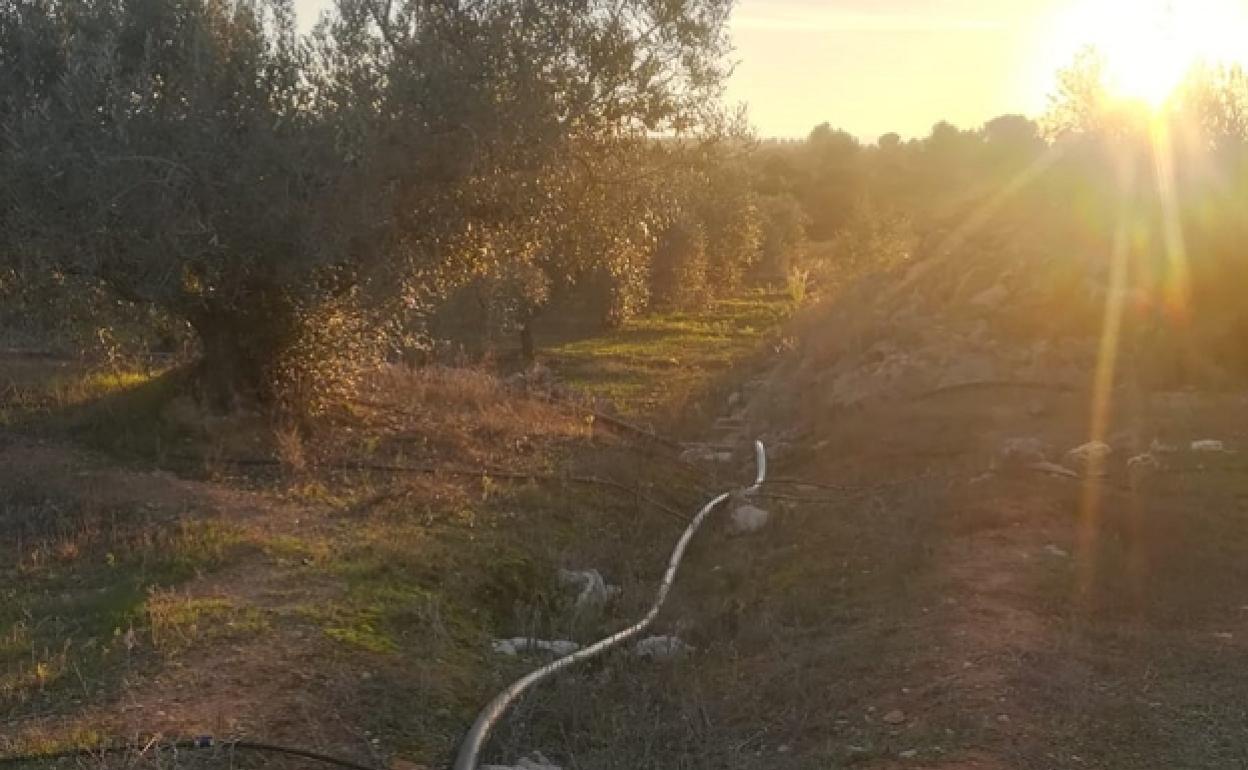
x=1103 y=381
x=1177 y=285
x=984 y=213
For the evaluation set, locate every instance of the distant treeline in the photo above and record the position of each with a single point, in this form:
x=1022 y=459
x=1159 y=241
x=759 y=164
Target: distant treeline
x=1101 y=202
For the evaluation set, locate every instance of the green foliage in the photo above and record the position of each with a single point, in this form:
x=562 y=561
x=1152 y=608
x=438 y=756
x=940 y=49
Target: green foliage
x=678 y=275
x=783 y=234
x=287 y=197
x=871 y=240
x=832 y=176
x=730 y=216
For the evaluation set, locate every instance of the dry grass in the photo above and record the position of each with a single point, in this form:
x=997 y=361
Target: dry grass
x=278 y=600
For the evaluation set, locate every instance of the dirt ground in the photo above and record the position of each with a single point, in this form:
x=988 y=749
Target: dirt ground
x=940 y=615
x=908 y=609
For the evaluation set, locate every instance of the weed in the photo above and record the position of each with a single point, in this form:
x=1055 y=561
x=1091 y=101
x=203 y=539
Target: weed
x=176 y=621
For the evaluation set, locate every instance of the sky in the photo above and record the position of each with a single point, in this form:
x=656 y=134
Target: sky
x=872 y=67
x=878 y=66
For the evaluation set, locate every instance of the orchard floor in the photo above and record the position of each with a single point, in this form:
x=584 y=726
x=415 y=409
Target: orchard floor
x=914 y=611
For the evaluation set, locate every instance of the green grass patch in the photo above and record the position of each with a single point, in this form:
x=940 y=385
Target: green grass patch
x=177 y=622
x=70 y=627
x=649 y=360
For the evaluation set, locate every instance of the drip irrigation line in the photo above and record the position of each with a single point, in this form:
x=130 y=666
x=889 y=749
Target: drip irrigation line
x=470 y=749
x=807 y=500
x=188 y=744
x=433 y=470
x=860 y=487
x=1055 y=387
x=631 y=428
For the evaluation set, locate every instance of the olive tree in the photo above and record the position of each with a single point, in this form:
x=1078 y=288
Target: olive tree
x=294 y=200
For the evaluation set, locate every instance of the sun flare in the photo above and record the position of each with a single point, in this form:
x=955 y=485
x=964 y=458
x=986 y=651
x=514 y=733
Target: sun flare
x=1150 y=46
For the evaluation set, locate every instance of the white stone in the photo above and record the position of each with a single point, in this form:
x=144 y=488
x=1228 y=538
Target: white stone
x=1142 y=466
x=1053 y=469
x=1090 y=457
x=592 y=591
x=519 y=644
x=1208 y=445
x=536 y=761
x=747 y=519
x=661 y=647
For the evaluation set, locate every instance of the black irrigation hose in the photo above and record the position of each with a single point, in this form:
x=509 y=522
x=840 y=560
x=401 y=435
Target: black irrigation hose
x=498 y=473
x=433 y=470
x=1055 y=387
x=187 y=744
x=852 y=488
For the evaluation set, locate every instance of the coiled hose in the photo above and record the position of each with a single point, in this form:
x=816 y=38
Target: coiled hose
x=470 y=749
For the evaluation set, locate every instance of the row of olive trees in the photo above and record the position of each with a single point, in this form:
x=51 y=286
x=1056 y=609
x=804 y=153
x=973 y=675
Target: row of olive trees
x=302 y=203
x=681 y=223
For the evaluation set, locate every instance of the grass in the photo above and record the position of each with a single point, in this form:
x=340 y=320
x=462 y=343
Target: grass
x=651 y=364
x=326 y=589
x=353 y=610
x=75 y=619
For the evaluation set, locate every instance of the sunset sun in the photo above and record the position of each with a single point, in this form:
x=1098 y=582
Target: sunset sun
x=1150 y=46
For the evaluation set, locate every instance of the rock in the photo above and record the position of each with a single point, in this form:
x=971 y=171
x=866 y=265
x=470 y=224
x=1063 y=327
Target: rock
x=1057 y=551
x=535 y=761
x=895 y=717
x=661 y=648
x=519 y=644
x=592 y=591
x=991 y=298
x=1142 y=466
x=1090 y=458
x=1208 y=445
x=1053 y=469
x=734 y=398
x=908 y=754
x=747 y=519
x=1019 y=453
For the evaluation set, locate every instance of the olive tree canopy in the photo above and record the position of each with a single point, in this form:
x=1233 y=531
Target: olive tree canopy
x=293 y=199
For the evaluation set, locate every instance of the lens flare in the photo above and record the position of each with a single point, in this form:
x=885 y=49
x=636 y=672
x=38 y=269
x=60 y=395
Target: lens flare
x=1150 y=46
